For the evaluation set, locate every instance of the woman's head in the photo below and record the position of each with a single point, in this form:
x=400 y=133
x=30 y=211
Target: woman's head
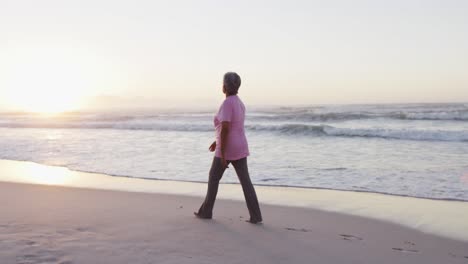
x=231 y=83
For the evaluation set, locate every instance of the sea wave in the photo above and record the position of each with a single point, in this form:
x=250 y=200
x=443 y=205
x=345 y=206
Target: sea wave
x=129 y=125
x=404 y=134
x=289 y=129
x=443 y=112
x=450 y=111
x=459 y=115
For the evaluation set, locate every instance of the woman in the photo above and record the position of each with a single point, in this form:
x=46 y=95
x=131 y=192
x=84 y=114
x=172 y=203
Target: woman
x=230 y=147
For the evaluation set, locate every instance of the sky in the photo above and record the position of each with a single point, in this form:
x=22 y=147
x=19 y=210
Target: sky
x=142 y=53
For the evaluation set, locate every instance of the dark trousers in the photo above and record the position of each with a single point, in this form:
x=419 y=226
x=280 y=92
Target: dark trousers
x=216 y=173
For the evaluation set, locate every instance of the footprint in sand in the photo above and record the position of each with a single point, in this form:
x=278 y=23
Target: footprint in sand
x=83 y=229
x=28 y=242
x=456 y=256
x=43 y=256
x=406 y=250
x=298 y=229
x=6 y=225
x=350 y=237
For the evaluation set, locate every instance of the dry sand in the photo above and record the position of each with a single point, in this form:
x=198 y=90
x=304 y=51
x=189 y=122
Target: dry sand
x=51 y=224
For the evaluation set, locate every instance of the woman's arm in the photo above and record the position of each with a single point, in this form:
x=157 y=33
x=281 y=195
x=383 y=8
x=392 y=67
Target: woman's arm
x=224 y=135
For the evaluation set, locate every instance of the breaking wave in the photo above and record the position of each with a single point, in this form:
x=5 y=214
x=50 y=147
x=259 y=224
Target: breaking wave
x=404 y=134
x=285 y=129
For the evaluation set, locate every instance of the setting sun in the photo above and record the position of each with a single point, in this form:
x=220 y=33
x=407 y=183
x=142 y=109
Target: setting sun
x=50 y=89
x=50 y=101
x=50 y=81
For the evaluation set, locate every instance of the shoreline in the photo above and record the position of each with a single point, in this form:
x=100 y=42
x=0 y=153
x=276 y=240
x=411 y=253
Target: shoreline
x=256 y=184
x=439 y=217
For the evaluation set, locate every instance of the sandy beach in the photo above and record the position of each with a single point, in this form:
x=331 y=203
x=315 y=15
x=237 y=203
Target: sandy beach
x=324 y=132
x=55 y=224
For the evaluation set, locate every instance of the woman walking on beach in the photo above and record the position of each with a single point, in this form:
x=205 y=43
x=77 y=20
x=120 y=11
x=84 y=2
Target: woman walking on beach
x=230 y=147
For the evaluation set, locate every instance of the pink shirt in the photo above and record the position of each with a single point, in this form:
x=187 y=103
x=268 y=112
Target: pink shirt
x=233 y=111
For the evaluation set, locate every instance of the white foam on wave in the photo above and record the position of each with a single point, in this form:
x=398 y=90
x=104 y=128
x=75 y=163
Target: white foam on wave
x=405 y=134
x=284 y=129
x=441 y=115
x=431 y=122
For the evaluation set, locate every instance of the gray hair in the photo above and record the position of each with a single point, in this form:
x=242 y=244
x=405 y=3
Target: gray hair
x=232 y=82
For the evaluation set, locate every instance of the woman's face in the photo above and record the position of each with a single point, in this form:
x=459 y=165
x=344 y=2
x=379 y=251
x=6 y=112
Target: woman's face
x=224 y=88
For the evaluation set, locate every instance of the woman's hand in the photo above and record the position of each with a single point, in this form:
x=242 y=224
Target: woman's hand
x=212 y=147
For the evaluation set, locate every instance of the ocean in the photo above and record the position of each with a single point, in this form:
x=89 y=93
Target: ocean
x=418 y=150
